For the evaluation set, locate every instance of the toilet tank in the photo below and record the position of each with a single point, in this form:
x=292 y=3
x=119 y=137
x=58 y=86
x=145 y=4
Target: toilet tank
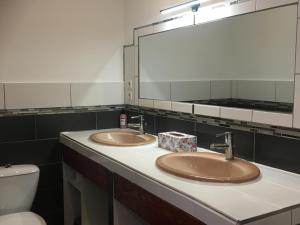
x=18 y=186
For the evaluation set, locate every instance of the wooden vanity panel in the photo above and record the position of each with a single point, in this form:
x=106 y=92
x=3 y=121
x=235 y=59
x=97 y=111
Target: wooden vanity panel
x=86 y=167
x=152 y=209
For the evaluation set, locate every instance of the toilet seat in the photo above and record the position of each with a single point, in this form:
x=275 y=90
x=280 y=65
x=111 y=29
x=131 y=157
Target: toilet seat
x=23 y=218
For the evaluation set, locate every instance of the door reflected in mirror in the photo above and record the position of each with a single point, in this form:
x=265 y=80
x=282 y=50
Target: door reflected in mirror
x=246 y=61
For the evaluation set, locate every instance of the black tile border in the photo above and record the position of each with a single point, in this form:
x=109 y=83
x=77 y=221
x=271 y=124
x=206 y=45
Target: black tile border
x=233 y=124
x=152 y=116
x=60 y=110
x=227 y=123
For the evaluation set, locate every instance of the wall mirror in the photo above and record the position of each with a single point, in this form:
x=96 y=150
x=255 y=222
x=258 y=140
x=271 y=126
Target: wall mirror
x=246 y=61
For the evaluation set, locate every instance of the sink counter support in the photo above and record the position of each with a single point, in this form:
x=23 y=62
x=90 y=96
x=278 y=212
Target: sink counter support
x=96 y=173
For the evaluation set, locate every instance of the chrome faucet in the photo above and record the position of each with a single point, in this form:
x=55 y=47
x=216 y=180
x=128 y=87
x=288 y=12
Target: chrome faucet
x=139 y=125
x=227 y=146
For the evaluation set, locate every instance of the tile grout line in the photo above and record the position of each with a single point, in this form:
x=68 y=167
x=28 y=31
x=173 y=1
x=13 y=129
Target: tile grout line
x=35 y=128
x=295 y=66
x=29 y=140
x=70 y=92
x=96 y=125
x=4 y=97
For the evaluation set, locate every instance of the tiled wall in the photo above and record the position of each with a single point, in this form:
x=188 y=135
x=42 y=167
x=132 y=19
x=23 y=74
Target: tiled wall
x=32 y=138
x=261 y=146
x=274 y=91
x=46 y=95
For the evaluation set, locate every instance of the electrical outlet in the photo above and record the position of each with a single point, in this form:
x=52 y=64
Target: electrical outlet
x=130 y=96
x=129 y=84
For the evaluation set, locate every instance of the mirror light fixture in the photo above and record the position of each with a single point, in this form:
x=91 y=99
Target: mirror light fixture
x=194 y=5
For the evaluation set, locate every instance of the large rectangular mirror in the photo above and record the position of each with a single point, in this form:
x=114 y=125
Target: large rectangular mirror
x=246 y=61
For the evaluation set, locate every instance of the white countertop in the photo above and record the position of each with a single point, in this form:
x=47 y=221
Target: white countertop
x=274 y=191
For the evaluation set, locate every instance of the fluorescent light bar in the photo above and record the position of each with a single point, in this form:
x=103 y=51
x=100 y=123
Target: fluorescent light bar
x=182 y=6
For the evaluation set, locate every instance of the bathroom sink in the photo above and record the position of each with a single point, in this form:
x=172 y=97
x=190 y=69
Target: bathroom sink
x=210 y=167
x=119 y=137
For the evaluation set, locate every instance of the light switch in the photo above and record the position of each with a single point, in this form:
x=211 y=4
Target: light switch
x=129 y=84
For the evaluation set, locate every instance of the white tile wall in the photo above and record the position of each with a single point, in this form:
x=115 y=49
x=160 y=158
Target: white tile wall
x=222 y=10
x=142 y=32
x=236 y=114
x=136 y=91
x=190 y=90
x=136 y=61
x=234 y=89
x=165 y=105
x=91 y=94
x=2 y=106
x=258 y=90
x=146 y=103
x=285 y=91
x=265 y=4
x=220 y=89
x=242 y=8
x=296 y=216
x=276 y=119
x=182 y=107
x=297 y=103
x=129 y=62
x=155 y=90
x=186 y=20
x=211 y=13
x=129 y=72
x=129 y=98
x=298 y=48
x=37 y=95
x=207 y=110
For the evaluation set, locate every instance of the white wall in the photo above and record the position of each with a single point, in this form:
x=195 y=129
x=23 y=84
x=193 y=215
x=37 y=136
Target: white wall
x=143 y=12
x=61 y=40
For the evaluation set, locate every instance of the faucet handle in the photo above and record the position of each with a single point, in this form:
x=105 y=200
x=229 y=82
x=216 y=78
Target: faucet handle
x=218 y=146
x=226 y=134
x=138 y=117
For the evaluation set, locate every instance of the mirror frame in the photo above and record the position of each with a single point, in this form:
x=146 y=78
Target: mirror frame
x=290 y=120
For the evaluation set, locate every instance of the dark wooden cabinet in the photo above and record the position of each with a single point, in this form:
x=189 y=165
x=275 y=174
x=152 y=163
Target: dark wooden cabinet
x=88 y=168
x=93 y=171
x=152 y=209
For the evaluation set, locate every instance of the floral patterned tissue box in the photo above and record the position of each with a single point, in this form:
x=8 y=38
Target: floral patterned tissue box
x=177 y=142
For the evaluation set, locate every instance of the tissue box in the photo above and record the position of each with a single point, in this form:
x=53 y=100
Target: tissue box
x=177 y=142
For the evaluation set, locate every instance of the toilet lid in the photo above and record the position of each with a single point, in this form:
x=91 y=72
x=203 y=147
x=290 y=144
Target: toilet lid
x=23 y=218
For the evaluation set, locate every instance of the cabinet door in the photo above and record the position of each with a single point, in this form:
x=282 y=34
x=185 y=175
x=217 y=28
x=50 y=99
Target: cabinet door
x=150 y=208
x=86 y=167
x=279 y=219
x=296 y=216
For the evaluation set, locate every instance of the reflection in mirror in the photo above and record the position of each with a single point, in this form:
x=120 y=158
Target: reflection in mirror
x=245 y=61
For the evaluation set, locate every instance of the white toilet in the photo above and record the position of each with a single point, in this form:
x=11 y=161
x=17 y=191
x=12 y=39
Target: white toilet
x=18 y=186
